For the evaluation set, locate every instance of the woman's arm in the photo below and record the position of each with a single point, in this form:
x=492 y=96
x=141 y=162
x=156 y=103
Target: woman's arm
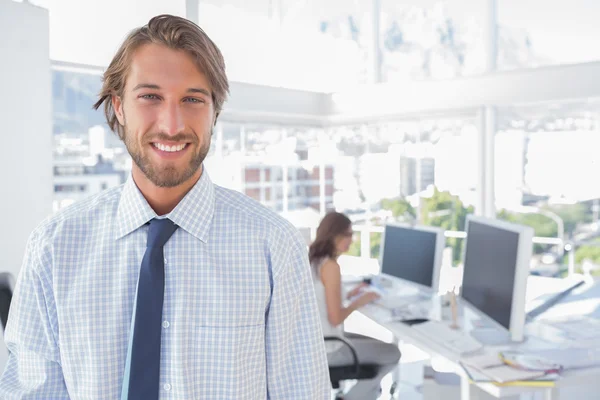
x=332 y=281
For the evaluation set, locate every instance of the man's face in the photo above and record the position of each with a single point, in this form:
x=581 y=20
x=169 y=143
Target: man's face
x=167 y=114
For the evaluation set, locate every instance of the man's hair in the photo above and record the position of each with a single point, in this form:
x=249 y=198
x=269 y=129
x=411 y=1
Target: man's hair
x=175 y=33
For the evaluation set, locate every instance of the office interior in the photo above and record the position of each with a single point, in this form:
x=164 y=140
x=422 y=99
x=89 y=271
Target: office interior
x=428 y=115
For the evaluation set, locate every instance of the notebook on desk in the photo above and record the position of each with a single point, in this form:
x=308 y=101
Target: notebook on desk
x=476 y=376
x=490 y=366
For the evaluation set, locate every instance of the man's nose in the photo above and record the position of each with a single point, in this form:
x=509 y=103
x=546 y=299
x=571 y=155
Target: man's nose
x=171 y=119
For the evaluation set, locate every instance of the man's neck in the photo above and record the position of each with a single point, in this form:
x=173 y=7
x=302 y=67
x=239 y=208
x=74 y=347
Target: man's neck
x=163 y=199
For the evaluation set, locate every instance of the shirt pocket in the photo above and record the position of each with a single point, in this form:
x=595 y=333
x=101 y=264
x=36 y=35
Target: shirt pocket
x=228 y=362
x=233 y=302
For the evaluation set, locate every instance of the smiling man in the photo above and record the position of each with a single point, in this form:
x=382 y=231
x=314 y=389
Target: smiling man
x=168 y=286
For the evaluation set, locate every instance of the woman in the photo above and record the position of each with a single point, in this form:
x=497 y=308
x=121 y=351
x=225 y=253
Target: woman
x=334 y=236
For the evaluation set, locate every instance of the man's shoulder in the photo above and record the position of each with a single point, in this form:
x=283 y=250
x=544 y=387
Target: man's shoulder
x=249 y=211
x=95 y=208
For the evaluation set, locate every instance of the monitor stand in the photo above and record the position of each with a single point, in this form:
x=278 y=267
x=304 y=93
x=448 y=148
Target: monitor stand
x=491 y=336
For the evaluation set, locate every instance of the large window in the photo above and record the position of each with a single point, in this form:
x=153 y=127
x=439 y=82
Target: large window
x=418 y=168
x=423 y=171
x=547 y=165
x=88 y=157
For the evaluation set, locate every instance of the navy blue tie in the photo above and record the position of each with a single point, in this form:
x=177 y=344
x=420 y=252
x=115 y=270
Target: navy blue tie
x=144 y=372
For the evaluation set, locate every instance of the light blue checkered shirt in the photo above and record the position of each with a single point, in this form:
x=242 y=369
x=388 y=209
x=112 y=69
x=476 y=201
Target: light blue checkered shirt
x=240 y=319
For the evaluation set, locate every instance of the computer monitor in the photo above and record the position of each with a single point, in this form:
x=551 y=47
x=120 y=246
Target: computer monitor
x=413 y=253
x=496 y=266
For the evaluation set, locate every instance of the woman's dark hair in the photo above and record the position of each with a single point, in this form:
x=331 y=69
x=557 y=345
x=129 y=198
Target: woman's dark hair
x=332 y=225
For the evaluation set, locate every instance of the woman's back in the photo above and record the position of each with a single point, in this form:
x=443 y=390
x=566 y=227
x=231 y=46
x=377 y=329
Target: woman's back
x=327 y=327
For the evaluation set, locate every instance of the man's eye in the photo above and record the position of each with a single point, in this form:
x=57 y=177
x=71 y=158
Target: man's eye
x=193 y=100
x=149 y=96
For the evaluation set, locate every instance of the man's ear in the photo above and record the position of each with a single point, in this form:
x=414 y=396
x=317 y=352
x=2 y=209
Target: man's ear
x=117 y=104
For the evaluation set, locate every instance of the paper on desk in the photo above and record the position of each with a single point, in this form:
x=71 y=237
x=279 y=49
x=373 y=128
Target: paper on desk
x=476 y=375
x=491 y=365
x=500 y=372
x=505 y=373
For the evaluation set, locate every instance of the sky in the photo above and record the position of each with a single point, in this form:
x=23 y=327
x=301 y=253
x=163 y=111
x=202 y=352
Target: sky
x=89 y=31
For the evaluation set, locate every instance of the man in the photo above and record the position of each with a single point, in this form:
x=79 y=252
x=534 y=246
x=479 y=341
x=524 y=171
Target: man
x=168 y=286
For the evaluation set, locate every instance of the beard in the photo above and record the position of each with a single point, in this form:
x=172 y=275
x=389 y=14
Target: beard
x=166 y=176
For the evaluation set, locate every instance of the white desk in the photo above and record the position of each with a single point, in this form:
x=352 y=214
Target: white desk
x=406 y=334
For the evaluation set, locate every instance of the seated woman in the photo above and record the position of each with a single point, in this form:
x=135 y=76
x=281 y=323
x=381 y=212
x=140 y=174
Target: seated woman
x=334 y=236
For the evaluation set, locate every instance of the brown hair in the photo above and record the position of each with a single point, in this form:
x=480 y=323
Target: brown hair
x=332 y=225
x=176 y=33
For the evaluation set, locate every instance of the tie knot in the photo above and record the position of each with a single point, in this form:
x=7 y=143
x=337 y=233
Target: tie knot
x=160 y=232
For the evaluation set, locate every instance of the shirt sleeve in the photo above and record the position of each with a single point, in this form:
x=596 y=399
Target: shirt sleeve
x=33 y=369
x=295 y=350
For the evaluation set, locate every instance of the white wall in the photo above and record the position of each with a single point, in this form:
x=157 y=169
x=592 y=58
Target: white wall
x=25 y=127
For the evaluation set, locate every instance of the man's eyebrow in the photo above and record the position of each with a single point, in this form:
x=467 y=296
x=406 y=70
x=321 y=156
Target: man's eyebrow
x=156 y=87
x=199 y=90
x=146 y=86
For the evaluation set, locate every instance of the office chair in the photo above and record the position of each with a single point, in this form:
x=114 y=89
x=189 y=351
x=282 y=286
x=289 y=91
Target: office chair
x=346 y=372
x=6 y=292
x=5 y=298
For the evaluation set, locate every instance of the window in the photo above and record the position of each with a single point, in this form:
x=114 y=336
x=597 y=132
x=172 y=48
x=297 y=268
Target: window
x=83 y=145
x=315 y=45
x=547 y=165
x=429 y=167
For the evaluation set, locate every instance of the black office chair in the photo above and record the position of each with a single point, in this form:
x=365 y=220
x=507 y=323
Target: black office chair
x=6 y=293
x=354 y=371
x=5 y=298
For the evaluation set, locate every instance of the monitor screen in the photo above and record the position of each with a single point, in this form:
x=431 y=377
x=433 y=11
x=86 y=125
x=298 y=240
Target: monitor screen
x=490 y=265
x=410 y=253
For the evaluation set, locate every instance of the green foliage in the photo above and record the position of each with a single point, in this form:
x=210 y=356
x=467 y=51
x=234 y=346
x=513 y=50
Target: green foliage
x=354 y=249
x=587 y=252
x=572 y=215
x=446 y=211
x=400 y=208
x=375 y=244
x=542 y=225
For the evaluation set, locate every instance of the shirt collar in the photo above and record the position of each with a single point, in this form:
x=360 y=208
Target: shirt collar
x=193 y=213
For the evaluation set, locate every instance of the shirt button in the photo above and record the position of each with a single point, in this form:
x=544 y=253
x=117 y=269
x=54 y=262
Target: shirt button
x=165 y=261
x=165 y=324
x=167 y=387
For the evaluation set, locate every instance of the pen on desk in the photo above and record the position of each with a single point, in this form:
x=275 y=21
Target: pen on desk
x=453 y=309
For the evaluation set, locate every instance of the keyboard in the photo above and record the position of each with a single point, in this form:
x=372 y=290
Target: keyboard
x=454 y=340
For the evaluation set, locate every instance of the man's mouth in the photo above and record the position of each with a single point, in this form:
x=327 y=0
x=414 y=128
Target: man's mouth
x=170 y=149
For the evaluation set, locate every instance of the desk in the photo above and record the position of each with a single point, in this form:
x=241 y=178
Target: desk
x=409 y=335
